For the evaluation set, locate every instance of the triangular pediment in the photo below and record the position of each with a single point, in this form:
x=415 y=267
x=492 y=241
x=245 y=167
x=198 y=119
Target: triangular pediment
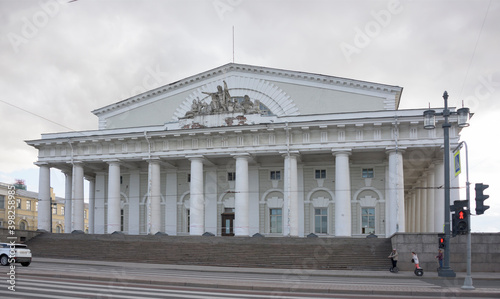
x=278 y=93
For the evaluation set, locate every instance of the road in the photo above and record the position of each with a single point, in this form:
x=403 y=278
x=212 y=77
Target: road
x=87 y=279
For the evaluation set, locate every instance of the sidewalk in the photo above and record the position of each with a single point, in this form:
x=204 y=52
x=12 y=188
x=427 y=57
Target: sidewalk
x=286 y=285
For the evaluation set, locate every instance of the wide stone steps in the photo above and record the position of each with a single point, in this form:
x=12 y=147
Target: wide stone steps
x=305 y=253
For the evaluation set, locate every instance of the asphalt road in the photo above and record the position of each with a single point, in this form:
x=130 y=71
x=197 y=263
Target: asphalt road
x=87 y=279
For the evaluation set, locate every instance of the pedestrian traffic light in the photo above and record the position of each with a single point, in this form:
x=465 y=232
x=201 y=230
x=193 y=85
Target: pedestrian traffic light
x=441 y=242
x=480 y=198
x=460 y=222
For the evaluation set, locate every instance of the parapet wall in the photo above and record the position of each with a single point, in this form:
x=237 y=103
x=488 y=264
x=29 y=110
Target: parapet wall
x=21 y=235
x=485 y=251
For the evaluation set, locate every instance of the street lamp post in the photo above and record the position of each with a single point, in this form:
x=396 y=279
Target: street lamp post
x=429 y=123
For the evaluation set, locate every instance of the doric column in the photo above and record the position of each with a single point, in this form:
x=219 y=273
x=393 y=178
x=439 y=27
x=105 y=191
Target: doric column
x=100 y=190
x=343 y=222
x=114 y=208
x=423 y=204
x=91 y=213
x=44 y=209
x=291 y=201
x=171 y=202
x=154 y=196
x=396 y=191
x=430 y=199
x=413 y=211
x=418 y=208
x=439 y=197
x=196 y=200
x=68 y=209
x=241 y=196
x=134 y=196
x=78 y=207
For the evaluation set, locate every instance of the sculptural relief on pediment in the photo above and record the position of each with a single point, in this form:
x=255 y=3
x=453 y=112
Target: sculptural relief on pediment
x=221 y=102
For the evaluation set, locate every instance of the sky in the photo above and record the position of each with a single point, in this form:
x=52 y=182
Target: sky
x=62 y=59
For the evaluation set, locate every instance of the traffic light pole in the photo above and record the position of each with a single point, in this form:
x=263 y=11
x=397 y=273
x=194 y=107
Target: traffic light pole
x=468 y=278
x=446 y=270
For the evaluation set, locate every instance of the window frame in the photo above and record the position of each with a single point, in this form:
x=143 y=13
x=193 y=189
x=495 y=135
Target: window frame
x=322 y=174
x=275 y=175
x=367 y=173
x=369 y=217
x=323 y=220
x=277 y=220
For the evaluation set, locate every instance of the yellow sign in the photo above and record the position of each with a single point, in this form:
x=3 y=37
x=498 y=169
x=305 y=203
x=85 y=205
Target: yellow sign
x=456 y=158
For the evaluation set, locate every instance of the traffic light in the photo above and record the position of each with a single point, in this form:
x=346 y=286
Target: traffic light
x=460 y=222
x=459 y=205
x=441 y=242
x=480 y=198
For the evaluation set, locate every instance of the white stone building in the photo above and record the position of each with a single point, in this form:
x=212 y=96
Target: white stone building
x=242 y=149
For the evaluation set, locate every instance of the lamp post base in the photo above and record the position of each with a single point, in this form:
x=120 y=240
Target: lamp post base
x=446 y=272
x=468 y=283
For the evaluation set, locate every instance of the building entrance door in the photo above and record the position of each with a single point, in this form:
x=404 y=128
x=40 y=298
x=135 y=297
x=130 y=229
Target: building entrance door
x=227 y=224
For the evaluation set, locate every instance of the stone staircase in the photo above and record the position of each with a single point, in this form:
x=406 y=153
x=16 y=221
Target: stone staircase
x=303 y=253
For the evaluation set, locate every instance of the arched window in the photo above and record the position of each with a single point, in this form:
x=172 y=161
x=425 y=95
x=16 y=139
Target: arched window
x=23 y=225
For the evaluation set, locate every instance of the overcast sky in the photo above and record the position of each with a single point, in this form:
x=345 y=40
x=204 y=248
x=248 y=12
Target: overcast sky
x=61 y=60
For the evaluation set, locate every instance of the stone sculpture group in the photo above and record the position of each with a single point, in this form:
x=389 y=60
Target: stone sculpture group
x=221 y=102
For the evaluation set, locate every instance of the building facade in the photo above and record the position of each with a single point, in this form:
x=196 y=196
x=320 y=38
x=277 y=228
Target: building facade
x=240 y=150
x=26 y=210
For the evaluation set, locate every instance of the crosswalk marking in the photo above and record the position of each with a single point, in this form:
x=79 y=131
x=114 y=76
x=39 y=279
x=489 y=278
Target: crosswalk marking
x=44 y=288
x=117 y=272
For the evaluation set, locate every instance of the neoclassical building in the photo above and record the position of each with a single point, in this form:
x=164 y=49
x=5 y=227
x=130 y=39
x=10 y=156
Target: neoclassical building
x=241 y=149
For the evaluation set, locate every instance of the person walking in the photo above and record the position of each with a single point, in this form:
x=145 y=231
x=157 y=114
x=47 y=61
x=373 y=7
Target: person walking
x=394 y=258
x=440 y=258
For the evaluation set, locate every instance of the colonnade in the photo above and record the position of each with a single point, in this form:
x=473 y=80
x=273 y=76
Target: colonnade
x=74 y=218
x=426 y=200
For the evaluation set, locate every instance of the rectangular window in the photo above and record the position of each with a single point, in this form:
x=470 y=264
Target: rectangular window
x=36 y=206
x=367 y=173
x=2 y=201
x=62 y=211
x=367 y=220
x=54 y=209
x=189 y=178
x=231 y=176
x=28 y=205
x=85 y=216
x=320 y=221
x=276 y=175
x=276 y=221
x=320 y=174
x=18 y=203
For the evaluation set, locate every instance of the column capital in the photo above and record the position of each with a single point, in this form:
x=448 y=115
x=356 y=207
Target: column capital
x=152 y=160
x=392 y=149
x=195 y=157
x=241 y=155
x=39 y=164
x=291 y=153
x=336 y=152
x=89 y=178
x=112 y=161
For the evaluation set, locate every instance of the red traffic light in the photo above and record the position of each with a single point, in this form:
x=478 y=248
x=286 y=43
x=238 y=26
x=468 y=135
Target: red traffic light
x=461 y=215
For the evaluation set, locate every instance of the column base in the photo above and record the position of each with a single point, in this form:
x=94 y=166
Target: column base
x=446 y=272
